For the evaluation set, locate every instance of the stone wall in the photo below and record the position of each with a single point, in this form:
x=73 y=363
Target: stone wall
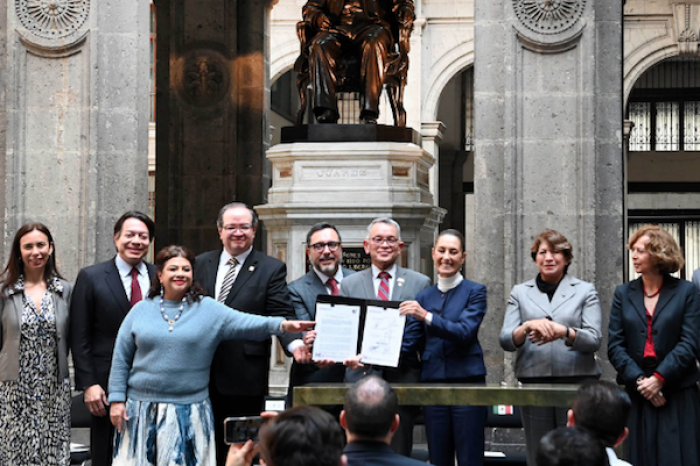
x=76 y=91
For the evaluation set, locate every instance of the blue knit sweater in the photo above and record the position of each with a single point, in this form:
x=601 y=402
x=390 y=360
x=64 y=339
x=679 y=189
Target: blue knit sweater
x=150 y=363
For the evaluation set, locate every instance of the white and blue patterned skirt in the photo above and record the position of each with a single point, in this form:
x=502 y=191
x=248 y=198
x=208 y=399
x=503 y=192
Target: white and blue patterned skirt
x=166 y=434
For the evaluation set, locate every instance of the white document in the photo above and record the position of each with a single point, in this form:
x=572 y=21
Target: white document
x=337 y=328
x=381 y=343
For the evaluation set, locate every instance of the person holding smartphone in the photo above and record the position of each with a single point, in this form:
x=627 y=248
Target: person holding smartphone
x=158 y=385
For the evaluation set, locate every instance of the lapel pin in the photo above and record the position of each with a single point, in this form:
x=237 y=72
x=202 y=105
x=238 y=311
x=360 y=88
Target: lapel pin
x=251 y=268
x=399 y=281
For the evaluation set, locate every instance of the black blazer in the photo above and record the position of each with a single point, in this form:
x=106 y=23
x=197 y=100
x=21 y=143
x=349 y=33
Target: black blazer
x=675 y=329
x=97 y=308
x=371 y=453
x=240 y=367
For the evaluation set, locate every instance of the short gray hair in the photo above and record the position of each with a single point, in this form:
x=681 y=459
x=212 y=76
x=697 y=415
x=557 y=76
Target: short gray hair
x=388 y=221
x=231 y=205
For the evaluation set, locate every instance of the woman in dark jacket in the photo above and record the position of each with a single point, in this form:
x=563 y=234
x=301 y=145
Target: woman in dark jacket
x=451 y=312
x=652 y=343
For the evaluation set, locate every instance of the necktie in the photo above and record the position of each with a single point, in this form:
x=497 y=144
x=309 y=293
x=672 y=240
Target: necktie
x=136 y=295
x=228 y=280
x=383 y=292
x=333 y=284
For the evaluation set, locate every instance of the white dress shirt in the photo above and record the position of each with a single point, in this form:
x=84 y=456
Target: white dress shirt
x=125 y=274
x=224 y=267
x=376 y=280
x=324 y=278
x=614 y=460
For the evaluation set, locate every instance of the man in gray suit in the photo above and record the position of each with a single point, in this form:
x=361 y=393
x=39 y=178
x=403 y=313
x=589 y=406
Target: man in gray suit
x=386 y=280
x=325 y=251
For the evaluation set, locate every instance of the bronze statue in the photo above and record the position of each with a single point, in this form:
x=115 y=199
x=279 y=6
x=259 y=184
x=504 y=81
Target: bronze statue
x=354 y=45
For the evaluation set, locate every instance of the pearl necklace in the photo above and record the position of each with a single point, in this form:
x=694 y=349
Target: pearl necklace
x=170 y=321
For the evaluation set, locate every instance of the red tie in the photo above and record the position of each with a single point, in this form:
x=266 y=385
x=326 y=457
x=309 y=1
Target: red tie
x=135 y=287
x=333 y=283
x=383 y=292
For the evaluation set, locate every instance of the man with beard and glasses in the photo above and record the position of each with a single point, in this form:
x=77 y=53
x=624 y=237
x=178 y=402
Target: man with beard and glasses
x=325 y=251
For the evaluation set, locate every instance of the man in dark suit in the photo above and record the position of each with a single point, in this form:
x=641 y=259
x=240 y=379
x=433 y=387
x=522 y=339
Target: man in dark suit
x=370 y=419
x=252 y=282
x=103 y=295
x=325 y=251
x=386 y=280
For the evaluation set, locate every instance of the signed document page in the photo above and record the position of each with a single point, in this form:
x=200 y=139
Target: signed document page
x=381 y=343
x=337 y=328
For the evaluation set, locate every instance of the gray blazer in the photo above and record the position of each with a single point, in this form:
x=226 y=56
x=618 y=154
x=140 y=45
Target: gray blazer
x=407 y=285
x=306 y=289
x=10 y=321
x=575 y=304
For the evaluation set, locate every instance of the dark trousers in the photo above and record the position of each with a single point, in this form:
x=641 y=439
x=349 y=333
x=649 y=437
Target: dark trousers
x=455 y=429
x=230 y=406
x=537 y=421
x=101 y=440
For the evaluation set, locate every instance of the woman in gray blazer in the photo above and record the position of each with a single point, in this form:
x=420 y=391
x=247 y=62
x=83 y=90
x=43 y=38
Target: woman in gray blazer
x=553 y=322
x=34 y=382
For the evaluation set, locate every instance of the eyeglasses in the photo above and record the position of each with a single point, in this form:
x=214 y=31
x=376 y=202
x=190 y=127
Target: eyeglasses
x=378 y=241
x=319 y=247
x=245 y=228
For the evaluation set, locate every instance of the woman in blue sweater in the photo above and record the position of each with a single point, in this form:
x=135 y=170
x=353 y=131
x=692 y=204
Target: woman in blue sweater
x=159 y=381
x=452 y=311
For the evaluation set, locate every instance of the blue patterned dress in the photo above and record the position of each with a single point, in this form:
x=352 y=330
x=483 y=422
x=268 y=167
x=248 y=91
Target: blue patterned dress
x=35 y=409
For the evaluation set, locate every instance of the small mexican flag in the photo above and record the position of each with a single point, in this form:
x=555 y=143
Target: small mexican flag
x=503 y=410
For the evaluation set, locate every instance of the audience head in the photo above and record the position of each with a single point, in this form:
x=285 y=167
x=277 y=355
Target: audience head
x=448 y=253
x=175 y=275
x=324 y=248
x=32 y=249
x=602 y=409
x=552 y=253
x=570 y=446
x=237 y=224
x=383 y=242
x=133 y=234
x=654 y=250
x=303 y=436
x=370 y=410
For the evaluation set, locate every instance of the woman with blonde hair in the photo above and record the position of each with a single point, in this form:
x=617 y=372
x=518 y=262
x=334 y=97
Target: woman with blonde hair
x=653 y=344
x=553 y=322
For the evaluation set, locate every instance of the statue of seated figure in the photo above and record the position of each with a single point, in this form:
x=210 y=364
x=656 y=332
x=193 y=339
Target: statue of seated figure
x=354 y=45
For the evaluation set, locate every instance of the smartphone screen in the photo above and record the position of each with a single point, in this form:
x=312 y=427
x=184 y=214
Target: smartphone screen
x=241 y=429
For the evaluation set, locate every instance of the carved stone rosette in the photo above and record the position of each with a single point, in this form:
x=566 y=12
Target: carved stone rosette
x=52 y=19
x=203 y=78
x=549 y=26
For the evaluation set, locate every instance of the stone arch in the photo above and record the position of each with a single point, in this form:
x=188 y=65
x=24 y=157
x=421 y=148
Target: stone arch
x=442 y=70
x=646 y=57
x=282 y=60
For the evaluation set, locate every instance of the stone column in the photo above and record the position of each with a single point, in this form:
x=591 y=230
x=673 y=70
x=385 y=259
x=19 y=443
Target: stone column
x=431 y=134
x=75 y=77
x=548 y=146
x=212 y=93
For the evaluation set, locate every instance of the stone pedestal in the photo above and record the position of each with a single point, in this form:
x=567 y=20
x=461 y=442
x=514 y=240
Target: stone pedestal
x=548 y=147
x=348 y=184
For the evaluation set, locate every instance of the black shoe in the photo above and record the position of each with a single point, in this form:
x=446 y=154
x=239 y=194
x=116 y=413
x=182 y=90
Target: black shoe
x=327 y=116
x=369 y=117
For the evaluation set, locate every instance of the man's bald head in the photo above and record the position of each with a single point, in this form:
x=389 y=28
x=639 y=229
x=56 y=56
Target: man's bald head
x=370 y=408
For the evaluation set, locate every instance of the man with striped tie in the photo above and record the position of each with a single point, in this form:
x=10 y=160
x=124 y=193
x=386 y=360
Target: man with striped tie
x=387 y=281
x=252 y=282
